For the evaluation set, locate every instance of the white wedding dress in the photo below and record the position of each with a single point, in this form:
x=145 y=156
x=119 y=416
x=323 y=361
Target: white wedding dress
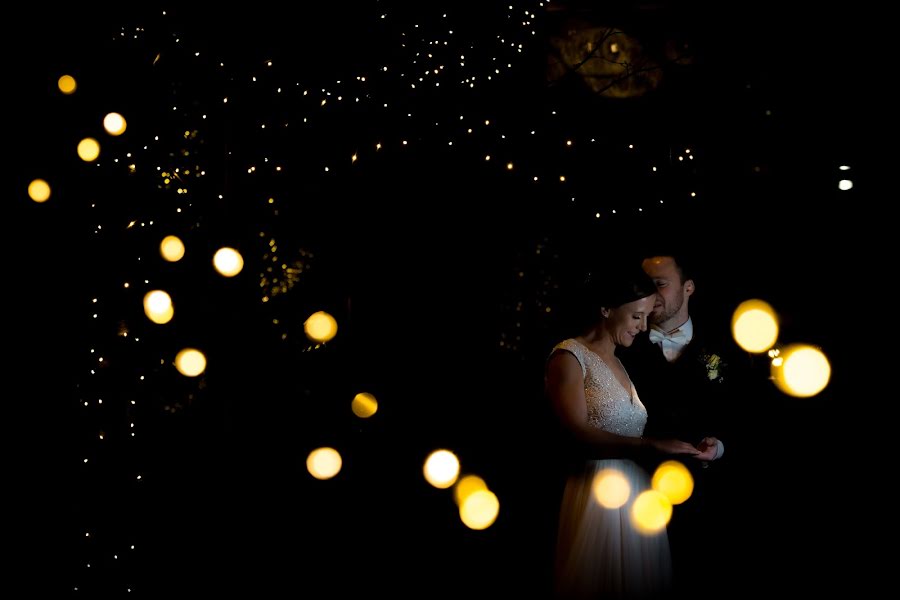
x=600 y=553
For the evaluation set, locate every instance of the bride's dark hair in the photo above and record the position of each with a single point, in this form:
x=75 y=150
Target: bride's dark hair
x=613 y=287
x=608 y=285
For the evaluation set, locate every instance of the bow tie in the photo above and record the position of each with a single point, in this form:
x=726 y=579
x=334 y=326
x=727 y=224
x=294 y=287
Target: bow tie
x=676 y=337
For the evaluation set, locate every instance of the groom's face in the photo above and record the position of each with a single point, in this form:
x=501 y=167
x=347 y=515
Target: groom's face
x=668 y=282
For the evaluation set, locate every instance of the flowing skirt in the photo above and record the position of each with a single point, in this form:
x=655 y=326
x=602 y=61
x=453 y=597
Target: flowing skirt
x=600 y=552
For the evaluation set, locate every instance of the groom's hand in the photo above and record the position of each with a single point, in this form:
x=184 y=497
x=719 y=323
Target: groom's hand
x=708 y=447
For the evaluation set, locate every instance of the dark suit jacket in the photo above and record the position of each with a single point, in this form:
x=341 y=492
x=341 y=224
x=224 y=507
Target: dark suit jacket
x=682 y=400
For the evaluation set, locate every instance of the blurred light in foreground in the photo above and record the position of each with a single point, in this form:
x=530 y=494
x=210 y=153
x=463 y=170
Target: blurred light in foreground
x=190 y=362
x=611 y=489
x=754 y=326
x=158 y=307
x=674 y=481
x=88 y=149
x=364 y=405
x=804 y=372
x=467 y=485
x=479 y=510
x=845 y=184
x=114 y=124
x=324 y=463
x=441 y=469
x=66 y=84
x=228 y=262
x=39 y=190
x=171 y=248
x=320 y=326
x=651 y=512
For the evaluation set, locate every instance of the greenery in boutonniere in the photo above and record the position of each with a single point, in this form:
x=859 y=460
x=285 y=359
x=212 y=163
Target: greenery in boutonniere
x=714 y=366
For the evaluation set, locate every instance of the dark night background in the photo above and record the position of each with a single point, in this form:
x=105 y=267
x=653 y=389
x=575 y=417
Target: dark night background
x=437 y=264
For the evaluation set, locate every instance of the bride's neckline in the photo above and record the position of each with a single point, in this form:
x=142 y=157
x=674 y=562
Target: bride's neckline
x=590 y=347
x=629 y=389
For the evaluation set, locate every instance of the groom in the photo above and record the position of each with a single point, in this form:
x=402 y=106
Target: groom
x=682 y=375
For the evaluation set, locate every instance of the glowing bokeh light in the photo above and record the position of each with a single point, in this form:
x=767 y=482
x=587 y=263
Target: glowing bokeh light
x=158 y=307
x=673 y=480
x=845 y=184
x=228 y=262
x=754 y=326
x=114 y=124
x=479 y=510
x=39 y=190
x=190 y=362
x=441 y=469
x=171 y=248
x=324 y=463
x=611 y=488
x=88 y=149
x=804 y=371
x=320 y=326
x=364 y=405
x=66 y=84
x=467 y=485
x=651 y=512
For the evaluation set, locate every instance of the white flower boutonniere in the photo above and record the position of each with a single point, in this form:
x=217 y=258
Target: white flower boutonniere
x=714 y=366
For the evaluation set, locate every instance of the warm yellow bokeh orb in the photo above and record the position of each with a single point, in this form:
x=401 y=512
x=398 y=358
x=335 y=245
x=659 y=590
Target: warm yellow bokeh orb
x=651 y=512
x=158 y=306
x=804 y=371
x=324 y=463
x=441 y=469
x=754 y=326
x=190 y=362
x=114 y=124
x=611 y=488
x=39 y=190
x=228 y=262
x=88 y=149
x=320 y=326
x=479 y=510
x=66 y=84
x=673 y=480
x=364 y=405
x=171 y=248
x=467 y=485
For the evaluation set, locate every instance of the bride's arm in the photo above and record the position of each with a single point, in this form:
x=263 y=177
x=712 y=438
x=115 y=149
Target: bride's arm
x=565 y=388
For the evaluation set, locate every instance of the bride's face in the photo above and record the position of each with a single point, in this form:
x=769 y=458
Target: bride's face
x=627 y=321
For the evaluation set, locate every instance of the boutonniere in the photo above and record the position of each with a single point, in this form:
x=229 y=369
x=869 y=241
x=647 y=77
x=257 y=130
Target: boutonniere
x=714 y=366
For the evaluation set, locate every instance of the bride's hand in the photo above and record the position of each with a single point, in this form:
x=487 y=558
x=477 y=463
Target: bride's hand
x=669 y=446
